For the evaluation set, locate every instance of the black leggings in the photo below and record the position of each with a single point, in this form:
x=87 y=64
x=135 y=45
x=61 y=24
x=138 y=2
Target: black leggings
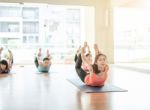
x=81 y=73
x=75 y=58
x=36 y=62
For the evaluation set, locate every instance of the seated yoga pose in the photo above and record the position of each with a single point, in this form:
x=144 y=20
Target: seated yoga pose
x=6 y=60
x=43 y=63
x=97 y=72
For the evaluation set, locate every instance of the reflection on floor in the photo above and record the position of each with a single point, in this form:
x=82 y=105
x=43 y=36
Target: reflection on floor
x=27 y=89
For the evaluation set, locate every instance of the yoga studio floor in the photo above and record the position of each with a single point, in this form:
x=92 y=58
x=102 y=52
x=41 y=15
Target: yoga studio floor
x=27 y=89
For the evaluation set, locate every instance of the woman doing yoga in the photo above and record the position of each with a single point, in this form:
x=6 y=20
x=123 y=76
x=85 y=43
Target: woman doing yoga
x=97 y=72
x=6 y=61
x=43 y=64
x=88 y=56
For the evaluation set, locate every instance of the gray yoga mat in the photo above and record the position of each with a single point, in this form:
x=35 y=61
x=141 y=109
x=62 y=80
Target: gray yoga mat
x=90 y=89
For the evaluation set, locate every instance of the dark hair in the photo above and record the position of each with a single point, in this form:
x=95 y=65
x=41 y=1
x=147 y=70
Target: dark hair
x=97 y=56
x=95 y=67
x=4 y=62
x=45 y=59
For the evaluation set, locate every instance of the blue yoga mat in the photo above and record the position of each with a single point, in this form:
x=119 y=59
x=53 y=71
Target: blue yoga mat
x=90 y=89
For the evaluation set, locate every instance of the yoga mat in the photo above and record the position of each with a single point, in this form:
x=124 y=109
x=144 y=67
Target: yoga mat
x=90 y=89
x=42 y=72
x=49 y=72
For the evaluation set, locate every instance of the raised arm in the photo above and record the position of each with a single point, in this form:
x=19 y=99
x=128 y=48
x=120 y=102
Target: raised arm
x=39 y=56
x=10 y=58
x=1 y=48
x=104 y=71
x=88 y=49
x=39 y=59
x=96 y=49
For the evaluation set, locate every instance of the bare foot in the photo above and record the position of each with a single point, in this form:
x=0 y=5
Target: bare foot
x=40 y=52
x=78 y=51
x=1 y=48
x=95 y=46
x=47 y=52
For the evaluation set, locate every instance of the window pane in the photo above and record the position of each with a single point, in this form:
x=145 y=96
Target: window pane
x=30 y=13
x=10 y=11
x=9 y=27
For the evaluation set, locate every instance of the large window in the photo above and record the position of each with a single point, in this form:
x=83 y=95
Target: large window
x=57 y=28
x=132 y=34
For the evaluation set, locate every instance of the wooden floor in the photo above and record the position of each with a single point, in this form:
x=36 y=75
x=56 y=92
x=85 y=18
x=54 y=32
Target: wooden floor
x=26 y=89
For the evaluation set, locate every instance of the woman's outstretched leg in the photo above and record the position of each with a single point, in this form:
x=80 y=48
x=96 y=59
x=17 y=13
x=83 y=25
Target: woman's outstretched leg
x=38 y=55
x=36 y=62
x=81 y=73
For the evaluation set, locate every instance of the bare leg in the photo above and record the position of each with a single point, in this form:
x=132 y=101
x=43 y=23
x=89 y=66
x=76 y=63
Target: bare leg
x=39 y=52
x=77 y=53
x=38 y=56
x=48 y=54
x=1 y=48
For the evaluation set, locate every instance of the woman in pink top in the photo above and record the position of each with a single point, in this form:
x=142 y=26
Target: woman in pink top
x=97 y=71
